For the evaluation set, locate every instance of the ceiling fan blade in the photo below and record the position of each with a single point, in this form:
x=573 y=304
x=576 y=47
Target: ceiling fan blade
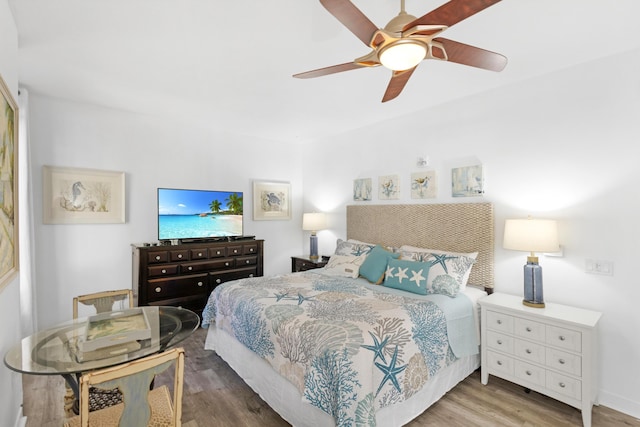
x=352 y=18
x=398 y=80
x=470 y=55
x=452 y=12
x=328 y=70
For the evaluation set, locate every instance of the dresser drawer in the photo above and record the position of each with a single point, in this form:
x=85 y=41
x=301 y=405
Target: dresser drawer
x=234 y=250
x=500 y=322
x=246 y=260
x=500 y=363
x=179 y=255
x=157 y=256
x=530 y=351
x=217 y=252
x=194 y=267
x=162 y=270
x=500 y=342
x=249 y=249
x=565 y=362
x=177 y=286
x=567 y=339
x=563 y=385
x=530 y=373
x=529 y=329
x=240 y=273
x=199 y=253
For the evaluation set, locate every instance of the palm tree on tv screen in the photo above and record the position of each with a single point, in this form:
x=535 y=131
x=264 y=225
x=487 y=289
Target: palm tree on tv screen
x=234 y=203
x=215 y=206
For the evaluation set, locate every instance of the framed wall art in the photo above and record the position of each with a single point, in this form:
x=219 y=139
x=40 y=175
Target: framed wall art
x=424 y=185
x=271 y=201
x=362 y=189
x=467 y=181
x=82 y=196
x=389 y=187
x=8 y=185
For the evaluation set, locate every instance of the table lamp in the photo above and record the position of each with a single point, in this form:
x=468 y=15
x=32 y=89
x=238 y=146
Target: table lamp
x=532 y=235
x=314 y=222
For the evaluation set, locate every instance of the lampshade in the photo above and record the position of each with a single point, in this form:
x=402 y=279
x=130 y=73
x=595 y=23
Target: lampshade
x=403 y=54
x=531 y=235
x=314 y=221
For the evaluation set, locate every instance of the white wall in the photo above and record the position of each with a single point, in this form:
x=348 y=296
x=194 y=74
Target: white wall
x=78 y=259
x=10 y=382
x=563 y=146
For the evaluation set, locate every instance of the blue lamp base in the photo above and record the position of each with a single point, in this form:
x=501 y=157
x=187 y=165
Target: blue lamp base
x=533 y=295
x=313 y=246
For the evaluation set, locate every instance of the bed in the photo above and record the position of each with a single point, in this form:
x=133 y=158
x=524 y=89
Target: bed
x=329 y=347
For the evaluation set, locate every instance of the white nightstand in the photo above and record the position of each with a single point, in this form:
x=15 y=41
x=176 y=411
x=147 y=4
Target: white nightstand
x=551 y=350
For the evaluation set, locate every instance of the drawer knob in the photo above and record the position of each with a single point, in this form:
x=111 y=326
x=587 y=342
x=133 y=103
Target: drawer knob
x=200 y=283
x=158 y=289
x=164 y=271
x=562 y=385
x=499 y=342
x=248 y=262
x=180 y=256
x=561 y=361
x=189 y=268
x=217 y=252
x=157 y=257
x=499 y=322
x=218 y=281
x=528 y=329
x=226 y=264
x=251 y=275
x=528 y=373
x=199 y=254
x=251 y=250
x=528 y=351
x=561 y=338
x=235 y=251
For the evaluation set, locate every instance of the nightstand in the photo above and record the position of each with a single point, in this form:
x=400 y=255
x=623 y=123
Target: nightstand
x=304 y=263
x=551 y=350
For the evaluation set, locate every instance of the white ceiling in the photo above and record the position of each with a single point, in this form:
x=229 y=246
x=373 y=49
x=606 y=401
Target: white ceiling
x=228 y=64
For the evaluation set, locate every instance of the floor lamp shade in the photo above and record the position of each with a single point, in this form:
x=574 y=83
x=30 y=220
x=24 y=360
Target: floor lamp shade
x=532 y=235
x=314 y=222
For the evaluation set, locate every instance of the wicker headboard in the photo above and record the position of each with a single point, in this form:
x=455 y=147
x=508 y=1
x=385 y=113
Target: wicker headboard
x=456 y=227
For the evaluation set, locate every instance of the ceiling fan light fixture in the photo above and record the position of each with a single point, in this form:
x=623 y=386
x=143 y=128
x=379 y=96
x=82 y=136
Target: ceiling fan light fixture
x=402 y=54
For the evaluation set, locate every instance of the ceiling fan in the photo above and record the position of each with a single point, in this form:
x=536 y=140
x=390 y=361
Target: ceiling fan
x=406 y=40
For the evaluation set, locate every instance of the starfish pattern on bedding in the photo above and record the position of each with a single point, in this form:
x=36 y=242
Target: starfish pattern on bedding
x=390 y=372
x=402 y=274
x=417 y=277
x=440 y=259
x=377 y=347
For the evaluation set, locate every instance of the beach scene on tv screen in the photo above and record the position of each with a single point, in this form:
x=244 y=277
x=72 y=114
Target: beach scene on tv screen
x=185 y=214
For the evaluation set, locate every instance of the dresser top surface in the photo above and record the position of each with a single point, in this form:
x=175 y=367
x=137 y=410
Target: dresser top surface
x=552 y=311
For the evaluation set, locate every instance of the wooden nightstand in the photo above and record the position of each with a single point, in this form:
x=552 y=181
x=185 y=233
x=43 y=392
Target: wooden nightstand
x=551 y=350
x=304 y=263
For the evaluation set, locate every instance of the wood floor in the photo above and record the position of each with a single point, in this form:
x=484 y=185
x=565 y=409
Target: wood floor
x=214 y=396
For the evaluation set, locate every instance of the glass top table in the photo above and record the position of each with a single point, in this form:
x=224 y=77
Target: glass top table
x=60 y=350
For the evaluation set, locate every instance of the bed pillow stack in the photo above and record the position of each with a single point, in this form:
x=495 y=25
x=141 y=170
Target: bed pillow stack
x=374 y=266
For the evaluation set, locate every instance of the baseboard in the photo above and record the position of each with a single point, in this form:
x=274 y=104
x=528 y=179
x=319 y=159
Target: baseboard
x=620 y=404
x=21 y=420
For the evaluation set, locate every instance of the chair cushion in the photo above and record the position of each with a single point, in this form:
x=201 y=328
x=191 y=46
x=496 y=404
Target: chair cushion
x=161 y=411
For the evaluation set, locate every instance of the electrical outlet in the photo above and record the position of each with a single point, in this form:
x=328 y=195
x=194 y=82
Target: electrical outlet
x=595 y=266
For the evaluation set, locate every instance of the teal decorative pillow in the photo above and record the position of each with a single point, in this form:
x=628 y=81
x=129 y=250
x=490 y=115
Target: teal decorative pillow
x=352 y=247
x=375 y=264
x=410 y=276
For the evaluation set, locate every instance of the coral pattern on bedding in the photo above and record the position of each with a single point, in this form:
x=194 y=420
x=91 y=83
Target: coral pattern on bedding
x=350 y=349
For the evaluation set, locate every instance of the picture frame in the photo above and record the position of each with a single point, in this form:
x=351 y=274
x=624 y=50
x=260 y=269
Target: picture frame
x=271 y=201
x=424 y=185
x=467 y=181
x=9 y=251
x=362 y=189
x=82 y=196
x=389 y=187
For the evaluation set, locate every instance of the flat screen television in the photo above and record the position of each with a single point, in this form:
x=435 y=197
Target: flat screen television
x=198 y=214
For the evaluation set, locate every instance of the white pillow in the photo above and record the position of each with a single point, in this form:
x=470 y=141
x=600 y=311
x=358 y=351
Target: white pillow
x=344 y=265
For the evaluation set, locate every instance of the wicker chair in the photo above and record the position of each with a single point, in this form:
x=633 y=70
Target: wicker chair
x=102 y=302
x=141 y=406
